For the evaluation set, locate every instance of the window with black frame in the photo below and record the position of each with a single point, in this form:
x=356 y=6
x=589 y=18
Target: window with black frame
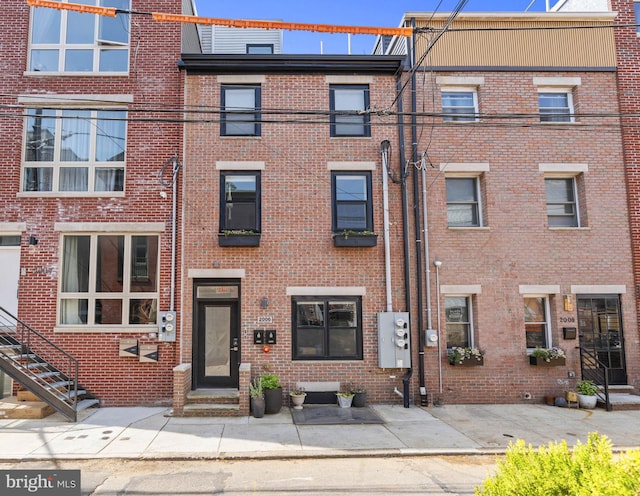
x=326 y=328
x=240 y=110
x=351 y=200
x=240 y=201
x=348 y=106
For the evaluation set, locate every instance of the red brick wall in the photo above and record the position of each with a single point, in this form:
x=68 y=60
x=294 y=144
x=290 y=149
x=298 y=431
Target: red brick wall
x=156 y=86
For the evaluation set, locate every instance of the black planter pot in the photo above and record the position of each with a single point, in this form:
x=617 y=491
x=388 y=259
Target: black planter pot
x=273 y=400
x=258 y=407
x=359 y=400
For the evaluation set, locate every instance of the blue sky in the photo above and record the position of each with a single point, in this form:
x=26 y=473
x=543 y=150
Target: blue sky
x=345 y=12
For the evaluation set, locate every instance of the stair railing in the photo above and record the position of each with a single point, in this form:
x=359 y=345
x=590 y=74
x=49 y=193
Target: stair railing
x=595 y=370
x=31 y=342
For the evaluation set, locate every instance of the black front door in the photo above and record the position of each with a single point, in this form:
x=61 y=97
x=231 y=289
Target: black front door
x=216 y=350
x=600 y=330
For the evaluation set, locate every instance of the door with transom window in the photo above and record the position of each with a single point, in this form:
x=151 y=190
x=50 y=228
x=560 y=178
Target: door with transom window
x=216 y=335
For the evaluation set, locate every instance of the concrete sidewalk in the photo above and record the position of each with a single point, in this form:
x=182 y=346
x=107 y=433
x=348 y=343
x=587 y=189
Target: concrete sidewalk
x=150 y=433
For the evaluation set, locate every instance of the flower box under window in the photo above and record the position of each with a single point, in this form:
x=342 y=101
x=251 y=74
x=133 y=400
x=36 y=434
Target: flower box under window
x=547 y=362
x=355 y=239
x=239 y=239
x=467 y=362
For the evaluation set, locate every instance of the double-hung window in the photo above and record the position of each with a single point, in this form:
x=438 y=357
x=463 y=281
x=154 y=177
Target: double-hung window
x=351 y=200
x=463 y=202
x=74 y=151
x=562 y=205
x=460 y=106
x=349 y=105
x=108 y=279
x=536 y=322
x=459 y=317
x=327 y=328
x=240 y=110
x=240 y=201
x=555 y=106
x=75 y=42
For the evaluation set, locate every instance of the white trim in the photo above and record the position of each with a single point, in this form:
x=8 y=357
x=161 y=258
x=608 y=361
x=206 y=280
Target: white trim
x=539 y=289
x=566 y=82
x=599 y=289
x=326 y=291
x=63 y=98
x=12 y=227
x=466 y=168
x=241 y=78
x=472 y=81
x=564 y=169
x=460 y=289
x=240 y=165
x=216 y=273
x=351 y=166
x=335 y=79
x=125 y=227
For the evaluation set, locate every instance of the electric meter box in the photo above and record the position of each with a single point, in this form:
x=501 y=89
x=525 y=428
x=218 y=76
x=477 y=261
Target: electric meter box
x=167 y=326
x=394 y=340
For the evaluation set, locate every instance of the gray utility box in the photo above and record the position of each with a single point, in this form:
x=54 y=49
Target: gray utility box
x=394 y=340
x=167 y=326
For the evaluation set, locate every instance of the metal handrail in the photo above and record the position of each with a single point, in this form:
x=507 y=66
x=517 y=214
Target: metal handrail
x=32 y=341
x=592 y=374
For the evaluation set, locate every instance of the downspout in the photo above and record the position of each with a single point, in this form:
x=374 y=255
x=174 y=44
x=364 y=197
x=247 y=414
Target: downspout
x=405 y=222
x=174 y=209
x=416 y=198
x=384 y=152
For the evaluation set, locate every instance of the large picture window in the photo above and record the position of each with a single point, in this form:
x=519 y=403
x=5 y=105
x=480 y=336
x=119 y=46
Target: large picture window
x=327 y=328
x=108 y=279
x=240 y=201
x=352 y=203
x=349 y=105
x=68 y=41
x=74 y=151
x=240 y=110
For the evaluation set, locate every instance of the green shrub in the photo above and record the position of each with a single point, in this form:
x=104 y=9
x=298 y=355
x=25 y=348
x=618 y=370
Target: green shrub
x=555 y=470
x=270 y=381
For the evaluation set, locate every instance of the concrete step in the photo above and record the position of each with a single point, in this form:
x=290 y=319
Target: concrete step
x=622 y=401
x=211 y=410
x=213 y=396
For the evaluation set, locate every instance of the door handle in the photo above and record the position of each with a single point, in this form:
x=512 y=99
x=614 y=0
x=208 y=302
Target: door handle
x=234 y=344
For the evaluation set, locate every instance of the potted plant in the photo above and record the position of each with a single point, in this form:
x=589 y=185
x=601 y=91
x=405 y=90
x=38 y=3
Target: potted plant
x=256 y=392
x=345 y=398
x=359 y=396
x=547 y=357
x=297 y=398
x=355 y=238
x=272 y=392
x=465 y=356
x=587 y=390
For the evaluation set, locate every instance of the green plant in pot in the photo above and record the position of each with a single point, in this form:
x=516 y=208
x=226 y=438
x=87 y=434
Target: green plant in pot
x=272 y=392
x=256 y=392
x=359 y=396
x=587 y=390
x=345 y=398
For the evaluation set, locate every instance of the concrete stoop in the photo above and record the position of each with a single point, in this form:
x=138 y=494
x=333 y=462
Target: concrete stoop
x=622 y=401
x=212 y=403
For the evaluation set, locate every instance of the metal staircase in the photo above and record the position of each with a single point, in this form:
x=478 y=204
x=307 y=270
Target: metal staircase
x=41 y=367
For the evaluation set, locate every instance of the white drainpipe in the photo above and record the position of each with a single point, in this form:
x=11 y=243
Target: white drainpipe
x=384 y=151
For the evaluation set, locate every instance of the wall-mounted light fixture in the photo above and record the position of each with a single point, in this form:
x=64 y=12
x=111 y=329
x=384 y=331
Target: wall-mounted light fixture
x=264 y=302
x=568 y=303
x=33 y=240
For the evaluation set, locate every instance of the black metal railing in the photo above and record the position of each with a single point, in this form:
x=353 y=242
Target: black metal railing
x=28 y=356
x=594 y=370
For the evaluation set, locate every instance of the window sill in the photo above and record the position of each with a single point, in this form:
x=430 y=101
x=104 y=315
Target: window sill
x=106 y=328
x=569 y=229
x=68 y=194
x=74 y=74
x=239 y=239
x=470 y=228
x=355 y=240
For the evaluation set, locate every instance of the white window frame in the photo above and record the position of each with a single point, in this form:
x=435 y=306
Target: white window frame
x=57 y=164
x=478 y=202
x=547 y=321
x=576 y=202
x=570 y=118
x=448 y=116
x=126 y=295
x=471 y=333
x=96 y=47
